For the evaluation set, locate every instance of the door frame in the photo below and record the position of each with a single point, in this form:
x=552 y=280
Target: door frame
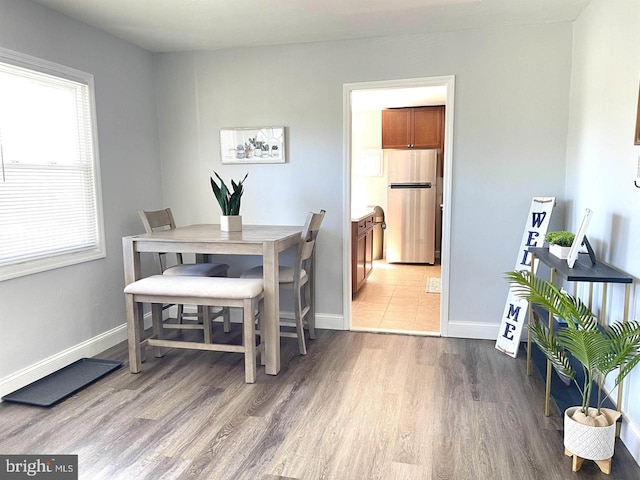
x=447 y=81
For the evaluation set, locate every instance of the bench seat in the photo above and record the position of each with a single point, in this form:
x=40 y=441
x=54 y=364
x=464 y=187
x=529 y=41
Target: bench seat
x=242 y=293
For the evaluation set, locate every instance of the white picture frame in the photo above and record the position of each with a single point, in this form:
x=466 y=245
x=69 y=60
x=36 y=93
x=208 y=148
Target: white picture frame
x=252 y=145
x=579 y=237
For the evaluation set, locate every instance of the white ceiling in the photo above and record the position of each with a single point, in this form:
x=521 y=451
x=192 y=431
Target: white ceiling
x=184 y=25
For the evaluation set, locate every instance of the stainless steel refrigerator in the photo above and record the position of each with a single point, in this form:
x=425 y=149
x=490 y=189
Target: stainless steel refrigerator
x=411 y=205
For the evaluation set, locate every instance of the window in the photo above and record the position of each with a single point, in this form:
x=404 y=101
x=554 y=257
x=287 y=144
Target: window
x=50 y=205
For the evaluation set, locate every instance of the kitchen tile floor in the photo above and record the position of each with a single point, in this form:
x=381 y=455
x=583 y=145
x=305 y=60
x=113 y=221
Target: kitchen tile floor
x=395 y=298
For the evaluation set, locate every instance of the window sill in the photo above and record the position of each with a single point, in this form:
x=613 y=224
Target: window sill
x=30 y=267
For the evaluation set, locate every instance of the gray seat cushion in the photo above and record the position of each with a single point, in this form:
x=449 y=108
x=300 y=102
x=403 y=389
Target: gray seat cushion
x=198 y=270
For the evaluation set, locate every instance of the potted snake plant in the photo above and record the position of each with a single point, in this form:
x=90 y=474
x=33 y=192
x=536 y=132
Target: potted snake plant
x=600 y=350
x=231 y=220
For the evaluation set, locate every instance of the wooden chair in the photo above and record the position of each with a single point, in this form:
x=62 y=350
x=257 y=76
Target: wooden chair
x=301 y=279
x=205 y=291
x=163 y=220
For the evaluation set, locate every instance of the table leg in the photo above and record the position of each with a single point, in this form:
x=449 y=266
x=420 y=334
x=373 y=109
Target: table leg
x=131 y=261
x=133 y=334
x=271 y=308
x=158 y=331
x=134 y=316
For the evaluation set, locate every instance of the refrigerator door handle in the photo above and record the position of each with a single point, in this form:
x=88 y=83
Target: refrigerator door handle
x=411 y=185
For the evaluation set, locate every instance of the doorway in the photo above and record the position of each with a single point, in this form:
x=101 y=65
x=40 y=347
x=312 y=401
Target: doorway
x=399 y=297
x=404 y=298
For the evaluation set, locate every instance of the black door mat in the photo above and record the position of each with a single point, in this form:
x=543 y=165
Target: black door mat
x=59 y=385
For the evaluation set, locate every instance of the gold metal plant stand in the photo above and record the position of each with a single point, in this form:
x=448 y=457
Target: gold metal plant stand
x=582 y=272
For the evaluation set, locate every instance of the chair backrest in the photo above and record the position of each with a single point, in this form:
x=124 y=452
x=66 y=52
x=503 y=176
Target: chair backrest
x=307 y=243
x=155 y=221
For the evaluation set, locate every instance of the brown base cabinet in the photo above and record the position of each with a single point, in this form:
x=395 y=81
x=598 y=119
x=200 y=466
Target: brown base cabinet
x=361 y=251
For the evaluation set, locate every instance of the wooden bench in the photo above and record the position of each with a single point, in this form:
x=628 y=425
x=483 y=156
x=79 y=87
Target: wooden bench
x=202 y=291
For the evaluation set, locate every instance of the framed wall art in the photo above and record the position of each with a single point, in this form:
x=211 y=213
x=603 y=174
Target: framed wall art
x=252 y=145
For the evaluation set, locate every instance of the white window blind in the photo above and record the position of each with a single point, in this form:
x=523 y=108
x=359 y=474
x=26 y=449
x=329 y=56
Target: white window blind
x=50 y=212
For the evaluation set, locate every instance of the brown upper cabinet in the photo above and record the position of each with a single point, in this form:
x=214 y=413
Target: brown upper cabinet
x=415 y=127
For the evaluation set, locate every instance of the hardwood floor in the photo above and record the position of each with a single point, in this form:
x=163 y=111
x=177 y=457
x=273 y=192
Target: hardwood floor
x=394 y=298
x=358 y=406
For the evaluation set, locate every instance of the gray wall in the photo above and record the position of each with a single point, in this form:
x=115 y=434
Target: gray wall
x=44 y=314
x=602 y=160
x=511 y=114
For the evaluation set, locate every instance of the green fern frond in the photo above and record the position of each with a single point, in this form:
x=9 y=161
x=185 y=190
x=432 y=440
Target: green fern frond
x=552 y=350
x=626 y=369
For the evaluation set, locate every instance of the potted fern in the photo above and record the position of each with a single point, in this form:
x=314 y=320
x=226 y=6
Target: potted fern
x=589 y=429
x=231 y=220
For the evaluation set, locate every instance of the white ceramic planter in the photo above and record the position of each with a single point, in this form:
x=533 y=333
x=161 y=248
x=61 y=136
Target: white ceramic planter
x=231 y=223
x=560 y=252
x=593 y=443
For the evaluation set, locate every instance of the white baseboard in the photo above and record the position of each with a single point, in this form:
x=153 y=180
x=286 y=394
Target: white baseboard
x=330 y=322
x=479 y=331
x=88 y=348
x=324 y=321
x=630 y=436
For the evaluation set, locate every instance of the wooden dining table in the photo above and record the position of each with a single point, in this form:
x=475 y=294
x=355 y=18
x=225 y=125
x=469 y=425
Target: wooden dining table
x=204 y=239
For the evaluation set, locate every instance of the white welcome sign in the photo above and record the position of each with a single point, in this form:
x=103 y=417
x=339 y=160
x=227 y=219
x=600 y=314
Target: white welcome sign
x=515 y=311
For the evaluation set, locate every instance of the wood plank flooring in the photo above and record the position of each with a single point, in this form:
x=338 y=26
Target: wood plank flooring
x=358 y=406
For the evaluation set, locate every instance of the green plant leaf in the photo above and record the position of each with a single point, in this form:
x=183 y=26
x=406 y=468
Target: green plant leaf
x=547 y=295
x=626 y=369
x=218 y=194
x=585 y=345
x=551 y=349
x=229 y=202
x=624 y=339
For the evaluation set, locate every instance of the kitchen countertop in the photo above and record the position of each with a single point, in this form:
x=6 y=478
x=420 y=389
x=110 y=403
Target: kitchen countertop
x=359 y=215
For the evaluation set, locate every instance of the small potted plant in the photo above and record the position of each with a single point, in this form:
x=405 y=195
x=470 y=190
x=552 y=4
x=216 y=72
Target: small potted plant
x=589 y=429
x=231 y=220
x=560 y=243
